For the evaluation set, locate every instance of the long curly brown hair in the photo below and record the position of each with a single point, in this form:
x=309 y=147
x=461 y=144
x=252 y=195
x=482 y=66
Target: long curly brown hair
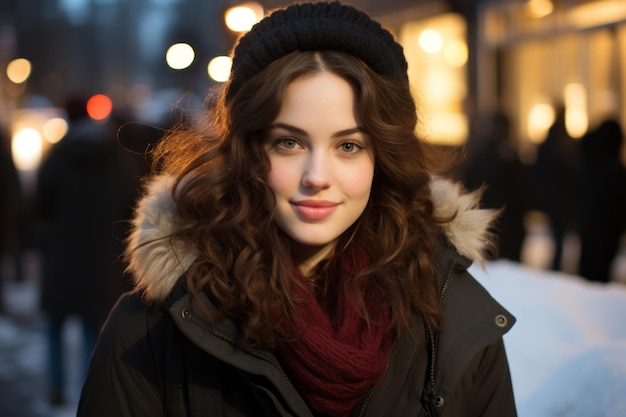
x=245 y=264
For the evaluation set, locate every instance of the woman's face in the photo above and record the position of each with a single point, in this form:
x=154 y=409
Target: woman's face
x=322 y=163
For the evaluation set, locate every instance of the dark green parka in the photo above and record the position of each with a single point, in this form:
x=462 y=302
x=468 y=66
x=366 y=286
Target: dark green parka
x=157 y=357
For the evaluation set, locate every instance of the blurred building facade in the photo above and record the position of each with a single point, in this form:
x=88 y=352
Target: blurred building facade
x=537 y=55
x=108 y=46
x=520 y=57
x=523 y=58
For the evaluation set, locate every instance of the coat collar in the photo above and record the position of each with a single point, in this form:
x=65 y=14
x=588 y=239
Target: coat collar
x=158 y=262
x=467 y=330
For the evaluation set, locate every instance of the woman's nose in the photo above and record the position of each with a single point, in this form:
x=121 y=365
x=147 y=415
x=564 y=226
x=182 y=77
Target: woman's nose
x=317 y=173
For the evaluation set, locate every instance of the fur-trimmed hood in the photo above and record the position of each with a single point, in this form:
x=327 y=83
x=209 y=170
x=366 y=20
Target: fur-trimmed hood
x=157 y=263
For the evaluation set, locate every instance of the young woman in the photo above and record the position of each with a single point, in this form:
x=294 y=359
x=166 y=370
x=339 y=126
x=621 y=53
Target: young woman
x=297 y=254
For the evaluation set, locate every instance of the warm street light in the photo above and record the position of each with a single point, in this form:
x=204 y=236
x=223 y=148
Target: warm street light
x=430 y=41
x=241 y=18
x=19 y=70
x=27 y=148
x=180 y=56
x=219 y=68
x=54 y=129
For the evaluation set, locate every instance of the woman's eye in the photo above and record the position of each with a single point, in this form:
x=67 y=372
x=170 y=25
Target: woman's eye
x=350 y=147
x=286 y=143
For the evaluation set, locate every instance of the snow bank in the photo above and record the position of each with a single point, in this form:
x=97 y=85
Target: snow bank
x=567 y=351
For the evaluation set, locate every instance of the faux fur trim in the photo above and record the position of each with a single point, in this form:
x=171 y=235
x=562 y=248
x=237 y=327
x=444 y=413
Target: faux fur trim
x=158 y=260
x=468 y=232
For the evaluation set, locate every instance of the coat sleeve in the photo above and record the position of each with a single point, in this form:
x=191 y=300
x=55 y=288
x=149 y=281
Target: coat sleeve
x=123 y=378
x=491 y=392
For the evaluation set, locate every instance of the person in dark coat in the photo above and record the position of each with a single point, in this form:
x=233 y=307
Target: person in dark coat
x=10 y=205
x=84 y=198
x=602 y=201
x=298 y=254
x=496 y=166
x=555 y=175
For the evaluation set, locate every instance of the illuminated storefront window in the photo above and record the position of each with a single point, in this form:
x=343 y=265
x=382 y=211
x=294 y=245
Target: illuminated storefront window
x=437 y=54
x=569 y=55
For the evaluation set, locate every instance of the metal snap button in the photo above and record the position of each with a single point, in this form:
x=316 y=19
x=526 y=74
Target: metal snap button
x=438 y=401
x=186 y=314
x=501 y=320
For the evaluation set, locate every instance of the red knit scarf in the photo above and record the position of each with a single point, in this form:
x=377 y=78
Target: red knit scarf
x=336 y=358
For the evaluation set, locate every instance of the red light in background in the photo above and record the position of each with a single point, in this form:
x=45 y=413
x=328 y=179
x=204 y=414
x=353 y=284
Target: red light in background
x=99 y=107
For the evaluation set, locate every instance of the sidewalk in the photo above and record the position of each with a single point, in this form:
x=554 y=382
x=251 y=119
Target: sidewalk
x=23 y=387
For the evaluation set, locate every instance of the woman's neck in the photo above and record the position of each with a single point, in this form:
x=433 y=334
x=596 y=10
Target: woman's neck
x=308 y=257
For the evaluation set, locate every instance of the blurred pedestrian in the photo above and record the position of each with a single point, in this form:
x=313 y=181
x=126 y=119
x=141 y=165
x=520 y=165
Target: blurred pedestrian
x=10 y=198
x=555 y=175
x=602 y=200
x=496 y=166
x=84 y=197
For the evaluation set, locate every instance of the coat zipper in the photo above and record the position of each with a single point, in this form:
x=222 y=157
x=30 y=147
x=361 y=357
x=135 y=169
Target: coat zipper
x=373 y=389
x=430 y=394
x=432 y=334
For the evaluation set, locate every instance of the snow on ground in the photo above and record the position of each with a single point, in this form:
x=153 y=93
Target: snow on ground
x=567 y=351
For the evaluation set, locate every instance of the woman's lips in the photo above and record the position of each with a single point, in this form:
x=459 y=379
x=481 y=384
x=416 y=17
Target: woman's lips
x=314 y=210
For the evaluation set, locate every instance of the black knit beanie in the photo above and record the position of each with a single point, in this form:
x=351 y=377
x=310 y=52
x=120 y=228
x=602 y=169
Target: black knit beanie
x=316 y=26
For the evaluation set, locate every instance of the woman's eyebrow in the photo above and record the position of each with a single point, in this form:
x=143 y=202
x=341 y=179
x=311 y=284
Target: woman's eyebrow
x=288 y=127
x=299 y=131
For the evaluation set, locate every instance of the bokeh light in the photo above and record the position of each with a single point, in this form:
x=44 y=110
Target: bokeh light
x=219 y=68
x=576 y=119
x=55 y=129
x=180 y=56
x=576 y=122
x=540 y=8
x=241 y=18
x=430 y=41
x=455 y=53
x=99 y=107
x=27 y=148
x=540 y=119
x=19 y=70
